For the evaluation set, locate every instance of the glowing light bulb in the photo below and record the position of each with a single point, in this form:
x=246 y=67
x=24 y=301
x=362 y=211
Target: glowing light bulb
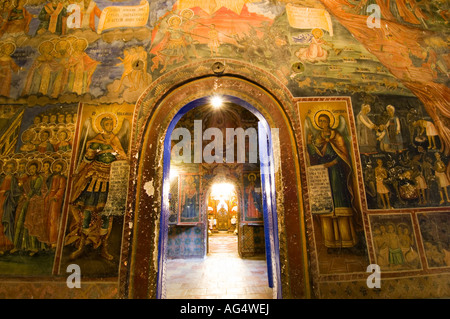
x=216 y=101
x=222 y=190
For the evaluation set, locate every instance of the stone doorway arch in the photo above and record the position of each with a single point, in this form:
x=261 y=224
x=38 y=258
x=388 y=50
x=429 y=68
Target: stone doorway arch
x=154 y=112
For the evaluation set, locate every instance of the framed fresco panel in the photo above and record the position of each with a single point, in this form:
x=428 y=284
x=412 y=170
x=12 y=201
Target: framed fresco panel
x=395 y=242
x=330 y=171
x=435 y=232
x=98 y=182
x=189 y=199
x=253 y=209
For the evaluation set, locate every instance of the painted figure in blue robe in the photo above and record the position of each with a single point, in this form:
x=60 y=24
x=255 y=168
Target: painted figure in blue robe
x=328 y=147
x=189 y=203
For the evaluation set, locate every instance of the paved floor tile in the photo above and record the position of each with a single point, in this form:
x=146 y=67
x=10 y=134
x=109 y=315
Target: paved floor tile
x=221 y=274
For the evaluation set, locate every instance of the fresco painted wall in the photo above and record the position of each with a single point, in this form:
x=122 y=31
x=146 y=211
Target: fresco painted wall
x=73 y=71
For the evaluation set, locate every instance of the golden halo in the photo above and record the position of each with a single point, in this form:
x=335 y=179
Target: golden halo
x=68 y=135
x=317 y=29
x=82 y=41
x=327 y=113
x=49 y=131
x=48 y=160
x=11 y=44
x=183 y=12
x=18 y=156
x=28 y=135
x=169 y=22
x=97 y=120
x=13 y=162
x=63 y=164
x=70 y=38
x=44 y=44
x=37 y=163
x=252 y=175
x=67 y=47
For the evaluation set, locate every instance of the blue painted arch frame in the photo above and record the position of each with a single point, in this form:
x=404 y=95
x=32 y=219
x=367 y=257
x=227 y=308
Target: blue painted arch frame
x=267 y=186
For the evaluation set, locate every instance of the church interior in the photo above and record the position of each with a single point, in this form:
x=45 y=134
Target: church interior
x=248 y=149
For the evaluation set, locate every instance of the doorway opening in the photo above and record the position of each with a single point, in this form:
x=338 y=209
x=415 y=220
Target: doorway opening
x=223 y=206
x=218 y=230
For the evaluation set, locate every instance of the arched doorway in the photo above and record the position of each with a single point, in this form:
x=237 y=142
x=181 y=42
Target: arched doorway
x=154 y=113
x=190 y=211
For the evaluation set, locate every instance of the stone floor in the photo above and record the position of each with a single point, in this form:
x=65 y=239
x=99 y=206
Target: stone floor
x=222 y=274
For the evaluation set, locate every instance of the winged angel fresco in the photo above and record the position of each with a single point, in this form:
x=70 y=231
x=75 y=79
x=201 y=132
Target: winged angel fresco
x=328 y=145
x=103 y=143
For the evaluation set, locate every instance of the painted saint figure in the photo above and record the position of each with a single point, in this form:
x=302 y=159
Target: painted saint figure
x=441 y=178
x=36 y=215
x=81 y=68
x=213 y=42
x=134 y=69
x=328 y=147
x=30 y=220
x=45 y=145
x=396 y=257
x=427 y=128
x=390 y=137
x=172 y=48
x=189 y=199
x=17 y=21
x=188 y=26
x=63 y=144
x=89 y=10
x=380 y=176
x=366 y=131
x=253 y=199
x=53 y=17
x=7 y=67
x=41 y=75
x=63 y=55
x=381 y=245
x=419 y=178
x=90 y=190
x=406 y=243
x=9 y=196
x=53 y=201
x=314 y=52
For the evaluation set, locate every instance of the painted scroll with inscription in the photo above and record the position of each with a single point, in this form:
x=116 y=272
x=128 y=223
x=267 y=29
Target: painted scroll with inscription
x=118 y=186
x=309 y=18
x=321 y=199
x=123 y=16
